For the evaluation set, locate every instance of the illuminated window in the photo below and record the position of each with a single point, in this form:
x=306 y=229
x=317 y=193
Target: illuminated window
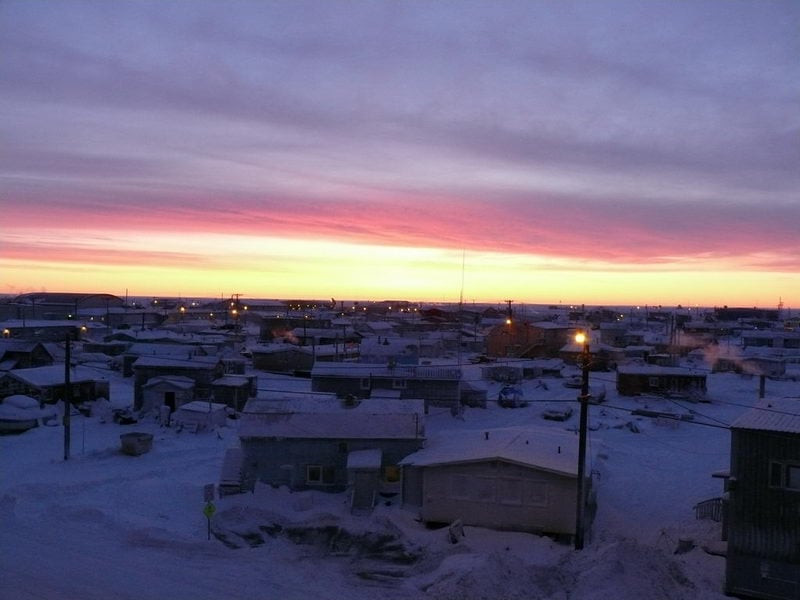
x=391 y=474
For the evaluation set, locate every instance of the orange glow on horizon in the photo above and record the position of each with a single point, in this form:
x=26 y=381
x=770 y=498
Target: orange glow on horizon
x=157 y=264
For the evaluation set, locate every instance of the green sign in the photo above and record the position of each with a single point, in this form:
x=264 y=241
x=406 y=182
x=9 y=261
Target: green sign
x=209 y=510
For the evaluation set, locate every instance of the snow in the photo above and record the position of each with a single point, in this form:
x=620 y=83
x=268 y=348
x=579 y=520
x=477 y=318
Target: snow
x=544 y=448
x=105 y=525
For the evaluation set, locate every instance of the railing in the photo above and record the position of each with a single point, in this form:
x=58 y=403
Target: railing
x=709 y=509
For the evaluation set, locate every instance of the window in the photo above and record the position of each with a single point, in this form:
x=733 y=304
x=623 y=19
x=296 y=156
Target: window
x=398 y=384
x=319 y=475
x=653 y=382
x=784 y=475
x=366 y=383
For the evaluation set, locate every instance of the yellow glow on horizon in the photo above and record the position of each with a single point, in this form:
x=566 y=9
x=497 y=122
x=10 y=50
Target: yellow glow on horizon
x=205 y=265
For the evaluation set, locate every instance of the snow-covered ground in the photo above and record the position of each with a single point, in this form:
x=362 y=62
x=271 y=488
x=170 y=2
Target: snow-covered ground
x=106 y=525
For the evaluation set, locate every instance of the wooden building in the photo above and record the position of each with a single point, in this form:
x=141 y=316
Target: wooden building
x=203 y=370
x=20 y=354
x=318 y=442
x=763 y=518
x=521 y=339
x=47 y=384
x=633 y=380
x=517 y=479
x=438 y=386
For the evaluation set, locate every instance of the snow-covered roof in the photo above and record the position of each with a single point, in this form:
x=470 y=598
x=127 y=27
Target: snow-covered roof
x=18 y=346
x=161 y=349
x=314 y=418
x=545 y=449
x=658 y=370
x=231 y=381
x=178 y=381
x=195 y=362
x=782 y=415
x=201 y=406
x=54 y=375
x=278 y=348
x=343 y=369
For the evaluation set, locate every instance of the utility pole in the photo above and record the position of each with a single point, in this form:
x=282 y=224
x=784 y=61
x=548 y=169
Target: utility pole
x=509 y=307
x=582 y=435
x=67 y=398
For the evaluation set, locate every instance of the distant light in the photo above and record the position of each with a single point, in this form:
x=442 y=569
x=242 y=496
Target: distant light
x=580 y=337
x=508 y=321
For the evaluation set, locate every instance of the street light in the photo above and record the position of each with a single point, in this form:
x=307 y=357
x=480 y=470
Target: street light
x=582 y=338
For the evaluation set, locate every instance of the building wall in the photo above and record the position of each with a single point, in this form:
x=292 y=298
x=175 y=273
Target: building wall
x=153 y=397
x=283 y=362
x=763 y=558
x=499 y=495
x=632 y=384
x=201 y=376
x=437 y=392
x=284 y=461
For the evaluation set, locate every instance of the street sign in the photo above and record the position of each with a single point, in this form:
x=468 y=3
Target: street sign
x=209 y=510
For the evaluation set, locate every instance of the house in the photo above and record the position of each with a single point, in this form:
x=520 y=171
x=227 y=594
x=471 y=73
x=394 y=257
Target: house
x=203 y=370
x=200 y=415
x=389 y=350
x=438 y=386
x=771 y=339
x=42 y=330
x=282 y=358
x=47 y=384
x=161 y=348
x=318 y=442
x=763 y=557
x=516 y=478
x=58 y=305
x=20 y=354
x=165 y=390
x=766 y=366
x=234 y=390
x=521 y=339
x=633 y=380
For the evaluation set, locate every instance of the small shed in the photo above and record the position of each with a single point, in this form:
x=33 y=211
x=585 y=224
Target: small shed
x=234 y=390
x=172 y=391
x=201 y=415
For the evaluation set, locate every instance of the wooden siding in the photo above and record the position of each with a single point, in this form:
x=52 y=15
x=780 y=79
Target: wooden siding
x=764 y=528
x=503 y=502
x=284 y=461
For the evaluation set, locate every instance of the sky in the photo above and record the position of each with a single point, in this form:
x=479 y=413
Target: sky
x=612 y=152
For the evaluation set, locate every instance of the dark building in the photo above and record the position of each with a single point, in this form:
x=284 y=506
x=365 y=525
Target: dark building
x=763 y=558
